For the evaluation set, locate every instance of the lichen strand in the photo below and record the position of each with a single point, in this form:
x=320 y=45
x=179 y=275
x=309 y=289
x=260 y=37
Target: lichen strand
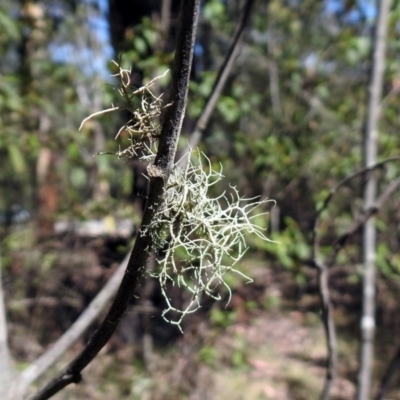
x=144 y=126
x=145 y=109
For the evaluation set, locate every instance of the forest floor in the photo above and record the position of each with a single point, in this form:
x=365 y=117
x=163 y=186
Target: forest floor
x=265 y=346
x=273 y=356
x=267 y=343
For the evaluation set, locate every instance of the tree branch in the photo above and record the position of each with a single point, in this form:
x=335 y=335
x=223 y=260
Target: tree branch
x=7 y=373
x=391 y=369
x=220 y=80
x=323 y=267
x=330 y=331
x=158 y=174
x=46 y=360
x=334 y=190
x=368 y=213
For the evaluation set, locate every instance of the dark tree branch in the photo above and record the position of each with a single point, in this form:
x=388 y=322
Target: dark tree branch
x=342 y=239
x=323 y=266
x=391 y=369
x=329 y=328
x=158 y=174
x=221 y=79
x=343 y=182
x=368 y=213
x=58 y=349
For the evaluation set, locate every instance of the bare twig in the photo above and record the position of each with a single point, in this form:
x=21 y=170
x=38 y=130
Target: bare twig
x=367 y=214
x=323 y=267
x=391 y=369
x=158 y=173
x=330 y=331
x=220 y=80
x=344 y=181
x=328 y=199
x=91 y=313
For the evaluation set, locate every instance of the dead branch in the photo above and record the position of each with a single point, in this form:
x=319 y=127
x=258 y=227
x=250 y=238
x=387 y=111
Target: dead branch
x=388 y=375
x=373 y=210
x=158 y=174
x=344 y=181
x=220 y=80
x=329 y=328
x=58 y=349
x=323 y=267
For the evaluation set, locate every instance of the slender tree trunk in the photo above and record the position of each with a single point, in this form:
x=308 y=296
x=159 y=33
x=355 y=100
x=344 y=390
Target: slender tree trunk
x=369 y=233
x=7 y=373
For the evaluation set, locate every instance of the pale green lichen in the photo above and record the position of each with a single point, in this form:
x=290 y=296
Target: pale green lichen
x=208 y=234
x=198 y=239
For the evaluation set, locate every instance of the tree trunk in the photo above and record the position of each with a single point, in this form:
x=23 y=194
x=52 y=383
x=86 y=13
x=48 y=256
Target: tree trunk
x=7 y=373
x=369 y=233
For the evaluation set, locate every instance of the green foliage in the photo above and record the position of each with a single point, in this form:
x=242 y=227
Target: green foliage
x=143 y=50
x=8 y=28
x=240 y=352
x=296 y=143
x=198 y=92
x=214 y=11
x=222 y=318
x=208 y=355
x=229 y=109
x=17 y=159
x=388 y=262
x=288 y=126
x=291 y=248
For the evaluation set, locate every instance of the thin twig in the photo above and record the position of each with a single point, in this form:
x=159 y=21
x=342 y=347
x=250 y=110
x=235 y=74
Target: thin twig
x=220 y=82
x=334 y=190
x=348 y=178
x=388 y=375
x=158 y=174
x=323 y=267
x=58 y=349
x=373 y=210
x=329 y=328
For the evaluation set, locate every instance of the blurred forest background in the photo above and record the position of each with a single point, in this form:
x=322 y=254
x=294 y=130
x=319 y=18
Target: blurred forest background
x=288 y=126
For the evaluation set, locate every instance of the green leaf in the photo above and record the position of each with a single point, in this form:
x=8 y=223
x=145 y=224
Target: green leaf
x=140 y=45
x=8 y=26
x=213 y=9
x=17 y=159
x=78 y=177
x=229 y=108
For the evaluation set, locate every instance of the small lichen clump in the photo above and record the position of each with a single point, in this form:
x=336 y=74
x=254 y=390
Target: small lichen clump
x=143 y=127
